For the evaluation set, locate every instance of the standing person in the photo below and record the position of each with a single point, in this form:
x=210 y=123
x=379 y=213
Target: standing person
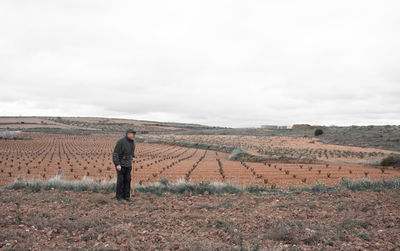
x=123 y=156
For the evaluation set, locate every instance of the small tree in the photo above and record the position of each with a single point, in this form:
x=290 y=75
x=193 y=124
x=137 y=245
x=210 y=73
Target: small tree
x=391 y=160
x=318 y=132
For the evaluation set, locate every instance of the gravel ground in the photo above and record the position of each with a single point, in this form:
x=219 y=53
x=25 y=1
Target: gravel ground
x=341 y=220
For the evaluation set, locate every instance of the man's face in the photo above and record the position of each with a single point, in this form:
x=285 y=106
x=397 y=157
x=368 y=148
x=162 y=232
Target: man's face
x=130 y=135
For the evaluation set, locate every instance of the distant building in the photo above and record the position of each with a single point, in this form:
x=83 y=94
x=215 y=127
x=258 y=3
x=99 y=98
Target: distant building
x=302 y=126
x=269 y=126
x=283 y=127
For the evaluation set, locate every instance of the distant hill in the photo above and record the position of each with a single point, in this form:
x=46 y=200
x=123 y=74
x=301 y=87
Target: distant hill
x=382 y=137
x=376 y=136
x=82 y=125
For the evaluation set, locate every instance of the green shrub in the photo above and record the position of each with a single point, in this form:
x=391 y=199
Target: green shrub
x=362 y=185
x=200 y=188
x=391 y=160
x=238 y=154
x=256 y=189
x=60 y=184
x=189 y=188
x=319 y=188
x=164 y=181
x=318 y=132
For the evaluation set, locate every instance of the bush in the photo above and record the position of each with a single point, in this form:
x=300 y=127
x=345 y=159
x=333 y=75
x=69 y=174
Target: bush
x=391 y=160
x=188 y=188
x=216 y=188
x=237 y=154
x=256 y=189
x=318 y=132
x=58 y=183
x=9 y=134
x=363 y=185
x=164 y=181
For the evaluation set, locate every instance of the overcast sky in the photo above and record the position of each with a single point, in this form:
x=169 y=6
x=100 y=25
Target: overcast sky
x=226 y=63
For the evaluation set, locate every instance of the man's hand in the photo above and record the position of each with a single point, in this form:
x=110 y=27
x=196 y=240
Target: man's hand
x=119 y=167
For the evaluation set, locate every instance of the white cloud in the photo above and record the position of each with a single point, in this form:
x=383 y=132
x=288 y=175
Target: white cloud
x=230 y=63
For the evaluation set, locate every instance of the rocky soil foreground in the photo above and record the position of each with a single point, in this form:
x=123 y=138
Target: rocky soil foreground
x=341 y=220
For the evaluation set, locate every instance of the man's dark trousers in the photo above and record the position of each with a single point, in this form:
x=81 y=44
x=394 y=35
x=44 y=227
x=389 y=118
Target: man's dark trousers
x=124 y=182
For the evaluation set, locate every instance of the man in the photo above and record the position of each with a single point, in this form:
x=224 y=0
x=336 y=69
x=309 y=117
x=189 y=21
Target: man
x=123 y=156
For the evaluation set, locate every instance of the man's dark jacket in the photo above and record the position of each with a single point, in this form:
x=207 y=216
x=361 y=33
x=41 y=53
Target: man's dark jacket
x=124 y=151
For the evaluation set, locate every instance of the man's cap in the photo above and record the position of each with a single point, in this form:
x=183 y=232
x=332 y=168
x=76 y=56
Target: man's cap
x=130 y=131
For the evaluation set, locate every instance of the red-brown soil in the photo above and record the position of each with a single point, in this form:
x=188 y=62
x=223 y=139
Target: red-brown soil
x=75 y=156
x=341 y=220
x=291 y=147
